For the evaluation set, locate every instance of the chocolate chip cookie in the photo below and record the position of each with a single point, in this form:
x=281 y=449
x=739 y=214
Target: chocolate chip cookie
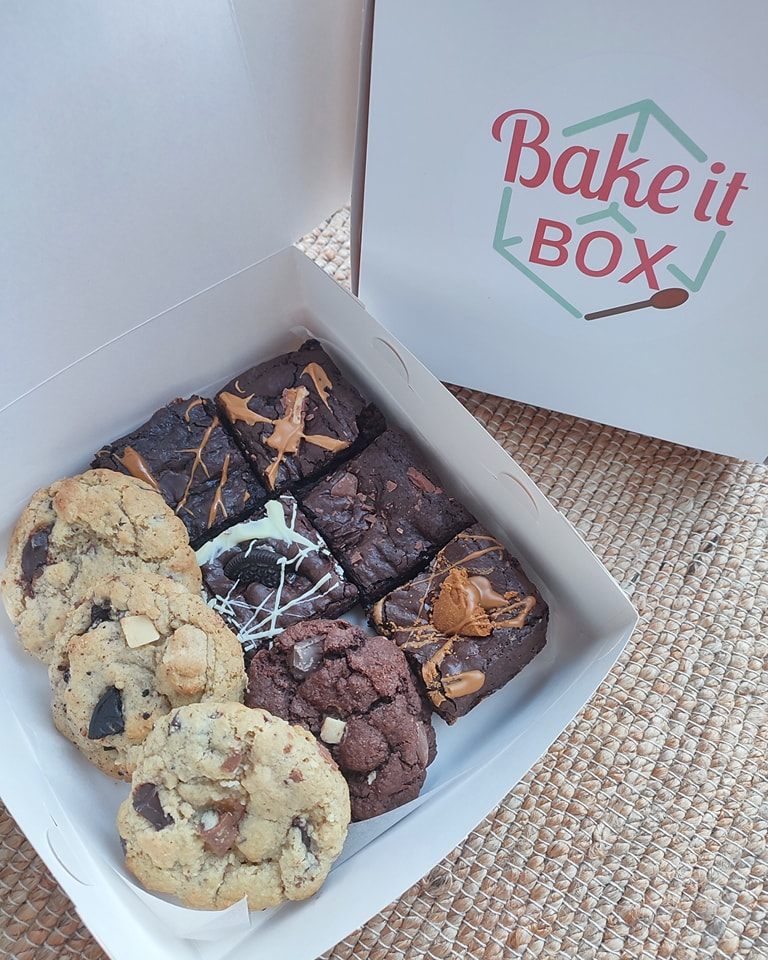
x=355 y=692
x=137 y=646
x=77 y=530
x=228 y=802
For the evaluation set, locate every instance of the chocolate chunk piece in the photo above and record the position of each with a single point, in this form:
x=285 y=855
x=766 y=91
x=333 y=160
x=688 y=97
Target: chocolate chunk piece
x=384 y=514
x=468 y=624
x=34 y=556
x=146 y=802
x=355 y=692
x=185 y=453
x=107 y=717
x=296 y=415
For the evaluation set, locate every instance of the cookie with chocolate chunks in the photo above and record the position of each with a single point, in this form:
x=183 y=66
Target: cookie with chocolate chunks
x=355 y=692
x=80 y=529
x=137 y=646
x=468 y=624
x=296 y=415
x=228 y=802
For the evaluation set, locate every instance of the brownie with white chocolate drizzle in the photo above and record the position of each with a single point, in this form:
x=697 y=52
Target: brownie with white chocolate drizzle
x=468 y=624
x=185 y=453
x=272 y=571
x=296 y=416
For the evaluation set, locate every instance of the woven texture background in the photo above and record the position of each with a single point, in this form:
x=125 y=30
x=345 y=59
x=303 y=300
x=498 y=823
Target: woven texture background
x=643 y=831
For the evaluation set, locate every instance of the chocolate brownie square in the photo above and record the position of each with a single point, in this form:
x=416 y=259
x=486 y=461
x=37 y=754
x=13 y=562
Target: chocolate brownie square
x=185 y=453
x=468 y=624
x=296 y=416
x=272 y=571
x=384 y=514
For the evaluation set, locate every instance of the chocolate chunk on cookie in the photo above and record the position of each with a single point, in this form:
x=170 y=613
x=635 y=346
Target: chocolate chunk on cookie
x=229 y=802
x=137 y=646
x=80 y=529
x=355 y=692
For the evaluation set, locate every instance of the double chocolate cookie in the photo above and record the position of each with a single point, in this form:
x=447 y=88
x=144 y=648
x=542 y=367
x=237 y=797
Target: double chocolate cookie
x=355 y=692
x=228 y=802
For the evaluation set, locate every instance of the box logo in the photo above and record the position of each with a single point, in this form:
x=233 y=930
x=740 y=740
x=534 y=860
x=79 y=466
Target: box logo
x=612 y=222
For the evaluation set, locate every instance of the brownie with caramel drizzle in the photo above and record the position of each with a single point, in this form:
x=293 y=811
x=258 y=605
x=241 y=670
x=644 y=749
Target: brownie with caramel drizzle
x=296 y=416
x=190 y=458
x=468 y=624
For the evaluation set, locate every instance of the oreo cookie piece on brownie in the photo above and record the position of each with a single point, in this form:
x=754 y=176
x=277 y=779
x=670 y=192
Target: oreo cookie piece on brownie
x=269 y=572
x=384 y=514
x=355 y=692
x=468 y=624
x=296 y=415
x=185 y=453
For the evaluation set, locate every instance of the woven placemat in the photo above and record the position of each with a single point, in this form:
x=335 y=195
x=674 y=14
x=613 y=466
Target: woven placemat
x=642 y=831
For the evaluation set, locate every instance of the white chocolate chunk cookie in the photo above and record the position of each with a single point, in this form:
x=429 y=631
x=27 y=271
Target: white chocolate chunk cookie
x=230 y=802
x=137 y=646
x=78 y=530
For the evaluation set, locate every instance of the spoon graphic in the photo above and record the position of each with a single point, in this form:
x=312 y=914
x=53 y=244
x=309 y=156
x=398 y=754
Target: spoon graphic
x=662 y=300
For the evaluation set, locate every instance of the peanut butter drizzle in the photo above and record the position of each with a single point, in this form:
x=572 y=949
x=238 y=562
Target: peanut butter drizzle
x=198 y=462
x=320 y=379
x=217 y=505
x=288 y=431
x=136 y=465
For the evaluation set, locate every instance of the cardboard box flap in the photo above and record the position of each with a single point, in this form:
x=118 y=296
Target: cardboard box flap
x=151 y=150
x=572 y=203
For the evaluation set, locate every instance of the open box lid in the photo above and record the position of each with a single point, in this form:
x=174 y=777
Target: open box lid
x=152 y=149
x=528 y=167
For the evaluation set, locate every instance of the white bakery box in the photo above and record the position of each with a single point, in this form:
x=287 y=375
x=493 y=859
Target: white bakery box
x=162 y=156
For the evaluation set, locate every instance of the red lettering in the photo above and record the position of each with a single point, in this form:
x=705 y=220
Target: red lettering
x=613 y=259
x=646 y=263
x=615 y=171
x=731 y=192
x=541 y=240
x=700 y=213
x=658 y=187
x=519 y=143
x=585 y=175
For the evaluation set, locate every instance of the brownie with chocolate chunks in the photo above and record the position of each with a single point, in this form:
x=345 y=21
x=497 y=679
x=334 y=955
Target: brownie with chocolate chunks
x=468 y=624
x=384 y=514
x=271 y=571
x=296 y=415
x=355 y=692
x=185 y=453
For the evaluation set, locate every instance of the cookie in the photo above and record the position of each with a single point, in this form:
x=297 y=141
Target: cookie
x=355 y=692
x=80 y=529
x=137 y=646
x=228 y=802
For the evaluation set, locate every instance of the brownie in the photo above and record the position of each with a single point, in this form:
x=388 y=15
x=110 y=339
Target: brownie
x=271 y=571
x=356 y=694
x=296 y=416
x=186 y=454
x=468 y=623
x=384 y=514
